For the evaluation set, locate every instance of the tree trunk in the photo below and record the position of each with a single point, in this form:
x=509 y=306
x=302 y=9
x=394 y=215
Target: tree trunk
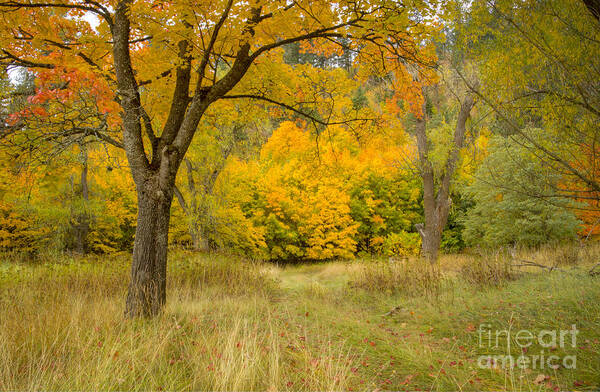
x=436 y=202
x=155 y=178
x=431 y=240
x=147 y=290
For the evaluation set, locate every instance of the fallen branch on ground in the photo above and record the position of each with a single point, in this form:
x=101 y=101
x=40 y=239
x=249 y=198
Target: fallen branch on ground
x=528 y=263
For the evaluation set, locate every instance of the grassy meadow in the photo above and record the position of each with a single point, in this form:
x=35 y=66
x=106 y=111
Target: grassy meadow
x=232 y=324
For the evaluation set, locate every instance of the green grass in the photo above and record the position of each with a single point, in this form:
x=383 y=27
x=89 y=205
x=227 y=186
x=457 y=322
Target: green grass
x=235 y=325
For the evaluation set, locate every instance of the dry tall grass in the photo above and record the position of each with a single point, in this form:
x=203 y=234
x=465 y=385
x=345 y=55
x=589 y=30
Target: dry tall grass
x=491 y=269
x=231 y=324
x=63 y=329
x=409 y=277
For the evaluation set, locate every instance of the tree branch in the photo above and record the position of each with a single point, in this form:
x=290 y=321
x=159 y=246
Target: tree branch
x=292 y=109
x=211 y=44
x=24 y=63
x=587 y=180
x=100 y=11
x=129 y=93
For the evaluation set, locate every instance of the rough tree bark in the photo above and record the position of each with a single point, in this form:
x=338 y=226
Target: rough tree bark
x=147 y=289
x=155 y=178
x=437 y=202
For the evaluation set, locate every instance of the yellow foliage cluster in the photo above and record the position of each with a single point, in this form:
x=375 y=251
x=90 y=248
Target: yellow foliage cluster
x=40 y=207
x=18 y=232
x=305 y=195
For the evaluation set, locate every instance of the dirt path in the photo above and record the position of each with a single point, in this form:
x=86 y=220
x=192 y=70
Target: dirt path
x=328 y=275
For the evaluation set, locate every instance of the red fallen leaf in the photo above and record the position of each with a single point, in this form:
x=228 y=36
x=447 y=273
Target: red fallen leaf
x=115 y=355
x=408 y=379
x=372 y=343
x=430 y=330
x=171 y=361
x=238 y=345
x=100 y=343
x=353 y=370
x=282 y=334
x=289 y=384
x=461 y=348
x=578 y=384
x=306 y=314
x=452 y=363
x=470 y=327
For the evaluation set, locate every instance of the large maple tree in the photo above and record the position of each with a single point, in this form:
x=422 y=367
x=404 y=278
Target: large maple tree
x=166 y=63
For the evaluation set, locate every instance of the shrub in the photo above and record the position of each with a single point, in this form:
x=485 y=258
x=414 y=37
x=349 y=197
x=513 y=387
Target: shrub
x=19 y=232
x=514 y=201
x=402 y=244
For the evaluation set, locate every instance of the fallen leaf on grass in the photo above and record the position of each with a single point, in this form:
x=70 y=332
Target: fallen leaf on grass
x=540 y=379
